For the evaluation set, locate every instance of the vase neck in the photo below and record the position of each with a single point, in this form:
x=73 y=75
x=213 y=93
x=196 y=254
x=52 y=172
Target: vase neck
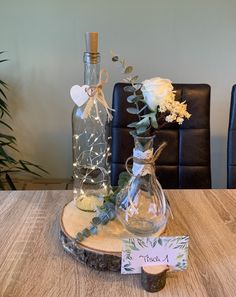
x=143 y=143
x=143 y=155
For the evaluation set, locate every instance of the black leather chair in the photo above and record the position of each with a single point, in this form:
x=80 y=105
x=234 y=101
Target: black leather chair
x=185 y=162
x=231 y=150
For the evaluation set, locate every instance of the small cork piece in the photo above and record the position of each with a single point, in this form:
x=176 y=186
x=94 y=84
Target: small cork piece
x=91 y=39
x=153 y=278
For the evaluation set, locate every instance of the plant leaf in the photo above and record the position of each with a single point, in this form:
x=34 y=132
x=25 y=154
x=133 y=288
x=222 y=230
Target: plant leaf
x=1 y=91
x=134 y=78
x=115 y=59
x=131 y=98
x=10 y=182
x=3 y=104
x=3 y=83
x=34 y=165
x=134 y=98
x=4 y=154
x=129 y=89
x=5 y=124
x=141 y=130
x=128 y=69
x=124 y=178
x=144 y=122
x=132 y=110
x=8 y=137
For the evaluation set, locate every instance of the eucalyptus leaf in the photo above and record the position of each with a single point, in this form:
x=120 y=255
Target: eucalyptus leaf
x=128 y=70
x=134 y=98
x=132 y=110
x=134 y=78
x=131 y=98
x=115 y=59
x=144 y=123
x=138 y=86
x=127 y=80
x=133 y=133
x=124 y=178
x=141 y=130
x=129 y=89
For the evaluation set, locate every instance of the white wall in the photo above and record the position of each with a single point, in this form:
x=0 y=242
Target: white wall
x=185 y=40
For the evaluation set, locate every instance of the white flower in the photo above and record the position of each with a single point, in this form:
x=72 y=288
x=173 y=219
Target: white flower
x=179 y=120
x=171 y=118
x=155 y=90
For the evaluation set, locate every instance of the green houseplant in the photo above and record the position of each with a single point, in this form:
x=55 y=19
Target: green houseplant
x=9 y=164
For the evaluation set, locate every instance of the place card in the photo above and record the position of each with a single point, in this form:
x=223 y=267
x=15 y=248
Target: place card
x=152 y=251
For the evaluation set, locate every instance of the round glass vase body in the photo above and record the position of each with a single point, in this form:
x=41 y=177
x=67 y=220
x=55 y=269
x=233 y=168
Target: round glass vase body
x=141 y=205
x=90 y=143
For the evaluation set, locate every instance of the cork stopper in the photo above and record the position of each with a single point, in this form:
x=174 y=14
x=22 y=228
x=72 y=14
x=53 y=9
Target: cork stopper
x=91 y=39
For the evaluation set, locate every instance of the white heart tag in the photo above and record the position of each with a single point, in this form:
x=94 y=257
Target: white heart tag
x=79 y=95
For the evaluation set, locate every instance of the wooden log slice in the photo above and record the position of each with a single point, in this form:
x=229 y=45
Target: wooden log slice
x=101 y=251
x=153 y=278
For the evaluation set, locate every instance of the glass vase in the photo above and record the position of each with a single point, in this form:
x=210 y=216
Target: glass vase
x=141 y=205
x=91 y=150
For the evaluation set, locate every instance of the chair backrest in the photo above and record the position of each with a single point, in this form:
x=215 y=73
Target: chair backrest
x=185 y=162
x=231 y=150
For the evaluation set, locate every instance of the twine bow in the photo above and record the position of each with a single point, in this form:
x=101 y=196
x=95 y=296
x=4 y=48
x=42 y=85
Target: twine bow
x=95 y=94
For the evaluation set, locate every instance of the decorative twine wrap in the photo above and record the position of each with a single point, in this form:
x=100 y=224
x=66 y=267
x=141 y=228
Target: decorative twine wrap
x=143 y=162
x=96 y=94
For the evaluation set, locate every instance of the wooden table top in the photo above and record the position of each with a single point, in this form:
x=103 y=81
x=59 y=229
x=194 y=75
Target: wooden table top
x=33 y=262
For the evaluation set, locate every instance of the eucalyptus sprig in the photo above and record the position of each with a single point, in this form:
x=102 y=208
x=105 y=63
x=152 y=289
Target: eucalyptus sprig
x=154 y=102
x=106 y=212
x=145 y=121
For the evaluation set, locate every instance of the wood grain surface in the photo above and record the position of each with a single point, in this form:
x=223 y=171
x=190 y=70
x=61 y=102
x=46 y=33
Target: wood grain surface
x=109 y=238
x=33 y=262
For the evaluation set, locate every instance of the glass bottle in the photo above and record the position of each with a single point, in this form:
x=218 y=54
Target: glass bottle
x=91 y=170
x=141 y=205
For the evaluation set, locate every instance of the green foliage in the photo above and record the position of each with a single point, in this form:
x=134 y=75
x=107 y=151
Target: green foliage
x=132 y=110
x=145 y=123
x=124 y=178
x=8 y=164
